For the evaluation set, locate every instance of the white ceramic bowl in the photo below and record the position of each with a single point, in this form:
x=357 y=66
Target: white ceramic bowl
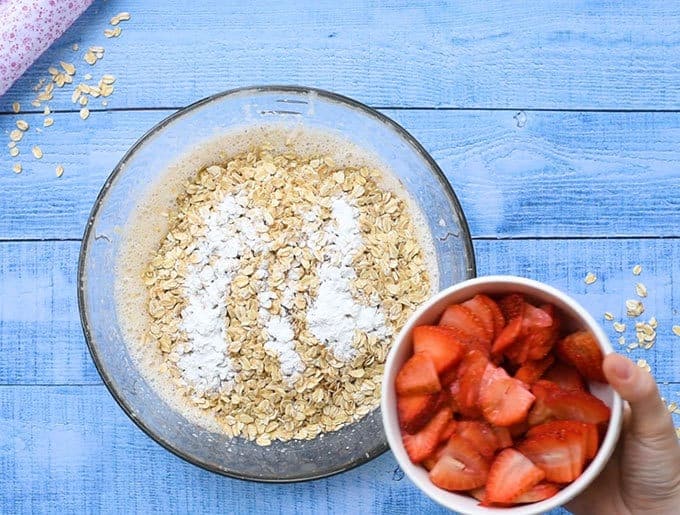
x=576 y=316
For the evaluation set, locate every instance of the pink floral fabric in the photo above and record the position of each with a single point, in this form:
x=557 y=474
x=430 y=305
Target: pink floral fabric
x=28 y=28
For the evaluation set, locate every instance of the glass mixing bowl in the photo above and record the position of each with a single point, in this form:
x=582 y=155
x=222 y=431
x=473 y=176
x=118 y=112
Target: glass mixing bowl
x=144 y=163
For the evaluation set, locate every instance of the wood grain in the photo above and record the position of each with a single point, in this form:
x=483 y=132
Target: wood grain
x=72 y=450
x=495 y=54
x=41 y=341
x=516 y=174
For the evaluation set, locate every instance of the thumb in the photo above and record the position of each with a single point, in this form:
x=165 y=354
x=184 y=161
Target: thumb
x=650 y=418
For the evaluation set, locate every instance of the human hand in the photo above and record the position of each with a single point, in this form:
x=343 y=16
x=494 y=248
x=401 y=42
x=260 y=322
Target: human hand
x=643 y=475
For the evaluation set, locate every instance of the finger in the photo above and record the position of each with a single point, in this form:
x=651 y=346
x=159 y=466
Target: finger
x=649 y=416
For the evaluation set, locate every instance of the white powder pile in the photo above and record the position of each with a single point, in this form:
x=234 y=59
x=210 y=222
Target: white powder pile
x=335 y=316
x=204 y=359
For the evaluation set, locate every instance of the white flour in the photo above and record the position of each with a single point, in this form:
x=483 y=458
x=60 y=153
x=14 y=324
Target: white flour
x=204 y=359
x=335 y=316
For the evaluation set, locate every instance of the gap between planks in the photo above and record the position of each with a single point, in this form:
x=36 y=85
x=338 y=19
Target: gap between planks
x=380 y=108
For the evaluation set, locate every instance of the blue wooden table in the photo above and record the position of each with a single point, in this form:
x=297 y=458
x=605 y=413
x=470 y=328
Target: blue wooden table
x=558 y=125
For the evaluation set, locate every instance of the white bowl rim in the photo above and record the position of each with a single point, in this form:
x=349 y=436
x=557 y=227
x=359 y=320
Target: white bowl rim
x=464 y=504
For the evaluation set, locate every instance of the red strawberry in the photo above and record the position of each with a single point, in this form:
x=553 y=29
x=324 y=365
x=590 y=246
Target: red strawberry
x=478 y=493
x=558 y=427
x=496 y=313
x=581 y=350
x=448 y=430
x=532 y=371
x=471 y=371
x=440 y=344
x=540 y=340
x=561 y=457
x=553 y=403
x=416 y=410
x=511 y=474
x=448 y=378
x=537 y=493
x=480 y=435
x=480 y=309
x=512 y=306
x=460 y=467
x=432 y=460
x=517 y=353
x=507 y=336
x=422 y=444
x=464 y=320
x=535 y=317
x=417 y=376
x=504 y=400
x=517 y=430
x=470 y=342
x=565 y=376
x=503 y=436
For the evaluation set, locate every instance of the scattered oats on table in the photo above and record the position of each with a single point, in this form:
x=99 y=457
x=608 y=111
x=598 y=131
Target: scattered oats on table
x=608 y=316
x=637 y=269
x=59 y=170
x=642 y=363
x=590 y=278
x=641 y=290
x=634 y=308
x=84 y=113
x=16 y=107
x=676 y=330
x=37 y=152
x=16 y=168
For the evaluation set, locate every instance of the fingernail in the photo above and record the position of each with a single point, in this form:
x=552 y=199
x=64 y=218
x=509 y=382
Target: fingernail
x=623 y=369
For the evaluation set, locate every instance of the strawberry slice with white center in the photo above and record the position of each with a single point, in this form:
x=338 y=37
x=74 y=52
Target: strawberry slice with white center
x=553 y=403
x=536 y=493
x=440 y=344
x=511 y=474
x=504 y=400
x=418 y=376
x=460 y=467
x=561 y=456
x=422 y=445
x=462 y=318
x=415 y=411
x=480 y=309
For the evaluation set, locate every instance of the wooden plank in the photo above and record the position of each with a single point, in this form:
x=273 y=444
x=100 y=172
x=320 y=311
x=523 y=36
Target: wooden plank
x=41 y=341
x=497 y=54
x=72 y=450
x=516 y=174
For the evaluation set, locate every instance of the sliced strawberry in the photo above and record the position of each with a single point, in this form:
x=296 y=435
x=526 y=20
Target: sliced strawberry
x=454 y=392
x=480 y=435
x=511 y=474
x=480 y=309
x=478 y=493
x=540 y=340
x=471 y=342
x=507 y=336
x=553 y=403
x=531 y=371
x=460 y=467
x=416 y=410
x=432 y=460
x=496 y=314
x=461 y=318
x=536 y=493
x=518 y=352
x=512 y=306
x=447 y=378
x=471 y=371
x=440 y=344
x=503 y=436
x=561 y=457
x=533 y=317
x=559 y=427
x=504 y=400
x=565 y=376
x=518 y=430
x=581 y=350
x=421 y=445
x=448 y=430
x=417 y=376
